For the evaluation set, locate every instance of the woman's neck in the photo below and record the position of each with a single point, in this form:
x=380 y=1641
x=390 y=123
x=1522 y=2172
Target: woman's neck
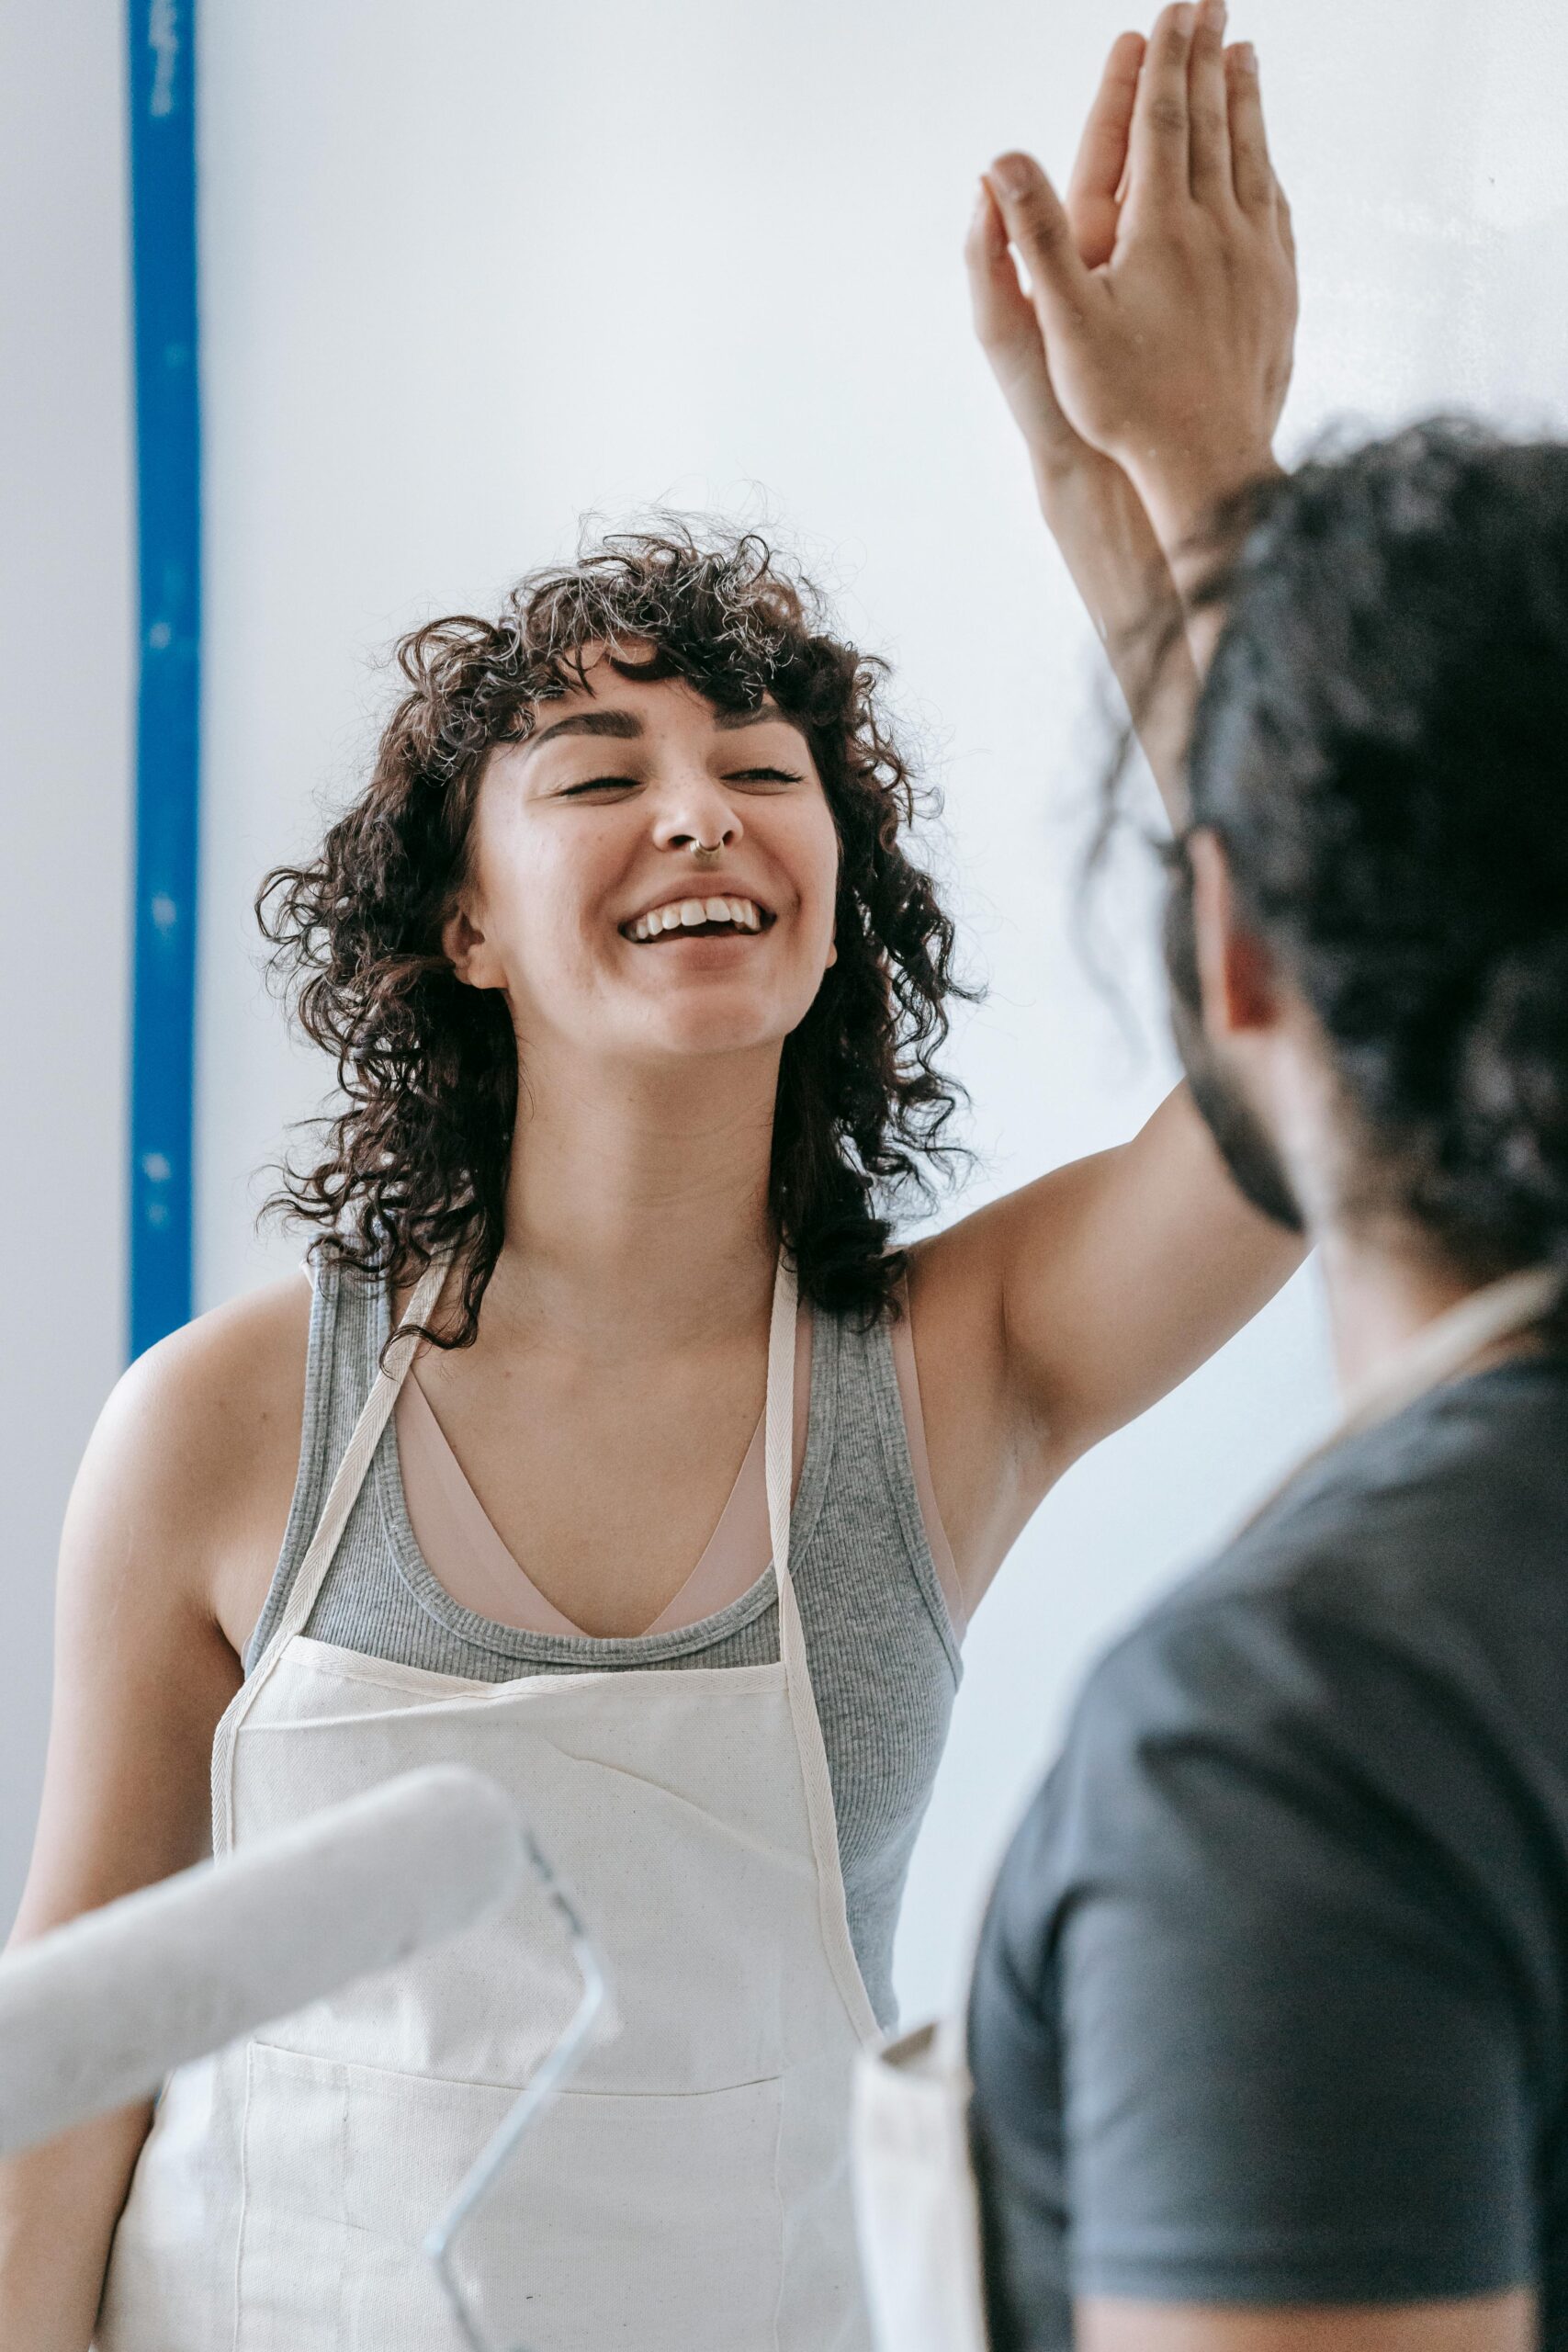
x=637 y=1205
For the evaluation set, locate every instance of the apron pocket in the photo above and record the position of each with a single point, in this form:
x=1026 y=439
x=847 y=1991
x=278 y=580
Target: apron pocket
x=646 y=2219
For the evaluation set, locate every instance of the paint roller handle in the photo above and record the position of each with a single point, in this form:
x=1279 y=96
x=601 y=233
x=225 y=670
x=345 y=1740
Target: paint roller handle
x=97 y=2013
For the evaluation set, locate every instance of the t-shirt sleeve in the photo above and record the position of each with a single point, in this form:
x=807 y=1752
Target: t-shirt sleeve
x=1251 y=2022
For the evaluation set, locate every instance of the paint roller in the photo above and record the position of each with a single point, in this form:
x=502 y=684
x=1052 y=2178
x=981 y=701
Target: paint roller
x=95 y=2014
x=98 y=2012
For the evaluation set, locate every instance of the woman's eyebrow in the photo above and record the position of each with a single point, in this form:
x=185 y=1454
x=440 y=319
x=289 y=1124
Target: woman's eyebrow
x=726 y=721
x=624 y=725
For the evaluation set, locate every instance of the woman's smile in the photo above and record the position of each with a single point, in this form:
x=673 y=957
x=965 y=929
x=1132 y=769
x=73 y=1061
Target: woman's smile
x=710 y=916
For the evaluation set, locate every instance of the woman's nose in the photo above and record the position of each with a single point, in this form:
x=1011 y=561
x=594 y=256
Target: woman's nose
x=697 y=820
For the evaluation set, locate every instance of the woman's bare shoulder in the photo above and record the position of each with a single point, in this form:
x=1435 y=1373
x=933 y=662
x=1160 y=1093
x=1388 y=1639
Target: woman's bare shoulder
x=205 y=1392
x=184 y=1483
x=198 y=1445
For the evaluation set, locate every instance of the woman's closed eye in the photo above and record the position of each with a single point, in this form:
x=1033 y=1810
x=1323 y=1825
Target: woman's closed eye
x=631 y=782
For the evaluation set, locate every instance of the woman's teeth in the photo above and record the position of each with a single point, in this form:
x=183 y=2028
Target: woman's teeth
x=691 y=914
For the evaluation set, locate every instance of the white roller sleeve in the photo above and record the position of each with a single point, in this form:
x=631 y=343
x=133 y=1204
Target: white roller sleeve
x=97 y=2013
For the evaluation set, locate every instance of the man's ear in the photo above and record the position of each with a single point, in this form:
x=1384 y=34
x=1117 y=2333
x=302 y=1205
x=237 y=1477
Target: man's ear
x=1236 y=970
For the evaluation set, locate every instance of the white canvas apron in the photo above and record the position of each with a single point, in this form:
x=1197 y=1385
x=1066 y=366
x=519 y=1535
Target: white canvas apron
x=689 y=2192
x=916 y=2199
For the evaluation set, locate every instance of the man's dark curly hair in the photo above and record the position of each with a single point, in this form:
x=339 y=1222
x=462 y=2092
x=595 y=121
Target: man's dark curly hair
x=415 y=1162
x=1381 y=745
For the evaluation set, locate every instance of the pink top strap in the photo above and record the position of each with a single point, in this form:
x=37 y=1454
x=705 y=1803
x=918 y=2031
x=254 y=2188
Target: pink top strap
x=462 y=1548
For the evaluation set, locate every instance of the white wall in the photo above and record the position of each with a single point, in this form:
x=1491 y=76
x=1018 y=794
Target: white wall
x=473 y=271
x=65 y=818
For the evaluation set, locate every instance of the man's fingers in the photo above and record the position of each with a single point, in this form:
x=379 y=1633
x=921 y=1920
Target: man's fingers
x=1158 y=144
x=1040 y=232
x=1207 y=106
x=1102 y=153
x=1250 y=168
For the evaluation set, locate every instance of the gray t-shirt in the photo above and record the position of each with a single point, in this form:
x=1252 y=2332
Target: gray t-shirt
x=1272 y=1996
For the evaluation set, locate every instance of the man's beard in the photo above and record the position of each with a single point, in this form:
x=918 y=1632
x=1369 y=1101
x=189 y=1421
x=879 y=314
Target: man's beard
x=1256 y=1167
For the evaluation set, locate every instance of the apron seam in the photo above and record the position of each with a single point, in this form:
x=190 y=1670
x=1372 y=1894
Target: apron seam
x=359 y=1665
x=244 y=2191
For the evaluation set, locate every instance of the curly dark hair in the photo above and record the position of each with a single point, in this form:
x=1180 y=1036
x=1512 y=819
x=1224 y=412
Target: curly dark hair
x=415 y=1162
x=1381 y=745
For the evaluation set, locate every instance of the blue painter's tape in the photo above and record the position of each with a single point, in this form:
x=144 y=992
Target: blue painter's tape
x=168 y=703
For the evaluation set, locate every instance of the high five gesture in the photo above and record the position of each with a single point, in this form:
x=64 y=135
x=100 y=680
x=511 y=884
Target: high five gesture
x=1163 y=293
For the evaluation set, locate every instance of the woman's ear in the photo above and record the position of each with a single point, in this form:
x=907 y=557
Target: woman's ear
x=467 y=951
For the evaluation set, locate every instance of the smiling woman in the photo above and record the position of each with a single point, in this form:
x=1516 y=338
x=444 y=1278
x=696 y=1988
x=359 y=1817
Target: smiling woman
x=804 y=800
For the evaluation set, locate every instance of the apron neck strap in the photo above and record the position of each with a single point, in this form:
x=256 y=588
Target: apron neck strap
x=1445 y=1346
x=357 y=1455
x=816 y=1783
x=318 y=1559
x=778 y=1415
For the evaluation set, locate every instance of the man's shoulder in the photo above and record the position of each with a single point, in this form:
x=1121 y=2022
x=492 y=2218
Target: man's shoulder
x=1402 y=1526
x=1399 y=1614
x=1396 y=1621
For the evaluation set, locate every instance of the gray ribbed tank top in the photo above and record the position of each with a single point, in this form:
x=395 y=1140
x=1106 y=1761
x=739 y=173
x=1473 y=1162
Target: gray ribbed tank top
x=883 y=1657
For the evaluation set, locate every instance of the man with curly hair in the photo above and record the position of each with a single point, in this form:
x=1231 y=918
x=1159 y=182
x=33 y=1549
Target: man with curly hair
x=1267 y=2029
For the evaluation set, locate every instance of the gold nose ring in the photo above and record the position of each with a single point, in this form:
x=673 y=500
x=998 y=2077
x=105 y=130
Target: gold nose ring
x=704 y=855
